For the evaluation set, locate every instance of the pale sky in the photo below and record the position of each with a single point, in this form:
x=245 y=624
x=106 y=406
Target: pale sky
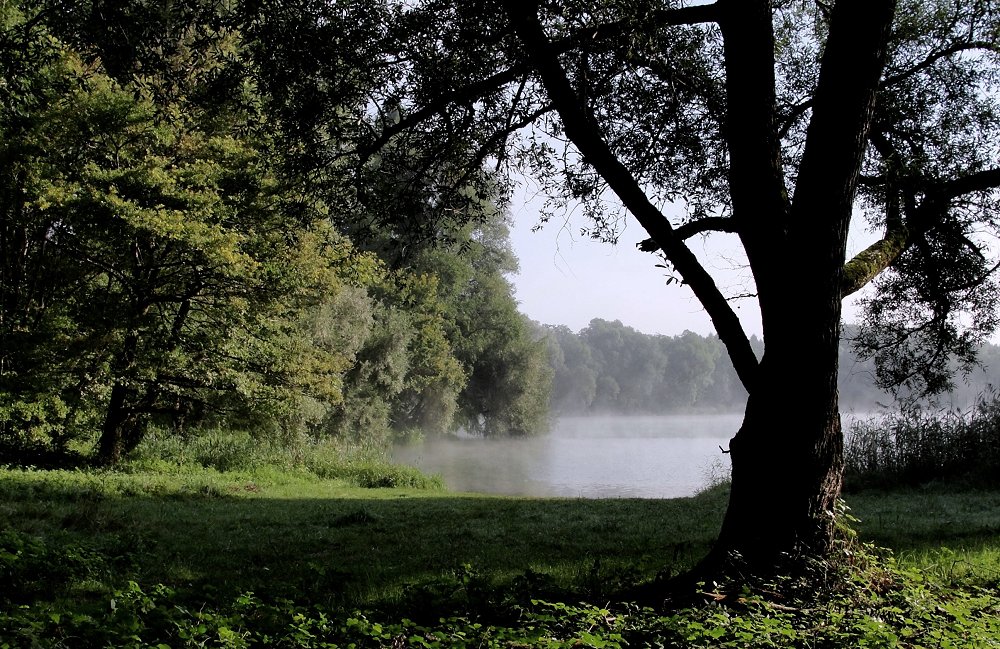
x=569 y=279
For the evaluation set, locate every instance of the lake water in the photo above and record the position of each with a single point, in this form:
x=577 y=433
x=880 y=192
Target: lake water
x=588 y=457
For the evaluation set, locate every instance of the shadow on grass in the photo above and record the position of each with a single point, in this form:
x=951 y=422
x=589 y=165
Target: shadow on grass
x=363 y=550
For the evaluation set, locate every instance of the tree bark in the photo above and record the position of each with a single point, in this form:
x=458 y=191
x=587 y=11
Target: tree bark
x=787 y=463
x=111 y=446
x=120 y=415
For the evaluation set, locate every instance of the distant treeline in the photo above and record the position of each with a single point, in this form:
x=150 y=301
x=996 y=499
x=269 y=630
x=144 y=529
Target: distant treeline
x=609 y=367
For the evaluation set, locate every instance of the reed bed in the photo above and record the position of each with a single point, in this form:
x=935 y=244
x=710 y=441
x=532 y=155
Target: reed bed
x=919 y=446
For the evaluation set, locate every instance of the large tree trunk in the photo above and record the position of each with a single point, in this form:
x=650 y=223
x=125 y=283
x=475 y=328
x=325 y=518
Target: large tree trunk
x=787 y=457
x=787 y=461
x=111 y=446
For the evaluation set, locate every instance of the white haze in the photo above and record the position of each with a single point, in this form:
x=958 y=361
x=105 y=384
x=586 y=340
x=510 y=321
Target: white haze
x=587 y=457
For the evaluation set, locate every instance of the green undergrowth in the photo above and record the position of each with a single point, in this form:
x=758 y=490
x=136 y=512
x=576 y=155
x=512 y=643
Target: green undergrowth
x=233 y=452
x=876 y=604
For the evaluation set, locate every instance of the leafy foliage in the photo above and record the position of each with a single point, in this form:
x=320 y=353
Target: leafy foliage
x=156 y=249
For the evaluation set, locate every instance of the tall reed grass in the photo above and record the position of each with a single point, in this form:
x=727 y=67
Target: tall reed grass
x=918 y=446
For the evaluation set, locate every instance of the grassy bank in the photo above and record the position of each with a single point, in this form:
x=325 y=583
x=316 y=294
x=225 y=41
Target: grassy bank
x=294 y=535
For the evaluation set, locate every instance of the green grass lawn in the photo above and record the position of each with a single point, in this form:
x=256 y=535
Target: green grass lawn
x=296 y=535
x=950 y=535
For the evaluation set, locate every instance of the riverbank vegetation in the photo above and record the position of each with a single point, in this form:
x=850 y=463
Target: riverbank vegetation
x=916 y=446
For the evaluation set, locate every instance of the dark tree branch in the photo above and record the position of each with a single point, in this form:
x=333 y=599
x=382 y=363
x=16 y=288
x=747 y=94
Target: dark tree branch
x=693 y=15
x=899 y=236
x=688 y=230
x=796 y=112
x=582 y=129
x=709 y=224
x=838 y=132
x=464 y=94
x=842 y=107
x=976 y=182
x=871 y=261
x=495 y=142
x=937 y=56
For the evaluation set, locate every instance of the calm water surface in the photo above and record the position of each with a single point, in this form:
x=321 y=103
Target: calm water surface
x=588 y=457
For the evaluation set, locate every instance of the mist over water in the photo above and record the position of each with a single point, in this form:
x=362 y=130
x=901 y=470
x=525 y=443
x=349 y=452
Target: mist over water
x=586 y=457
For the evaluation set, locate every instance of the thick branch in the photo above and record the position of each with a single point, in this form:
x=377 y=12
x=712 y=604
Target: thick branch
x=756 y=178
x=581 y=128
x=688 y=230
x=693 y=15
x=867 y=264
x=977 y=182
x=838 y=132
x=471 y=92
